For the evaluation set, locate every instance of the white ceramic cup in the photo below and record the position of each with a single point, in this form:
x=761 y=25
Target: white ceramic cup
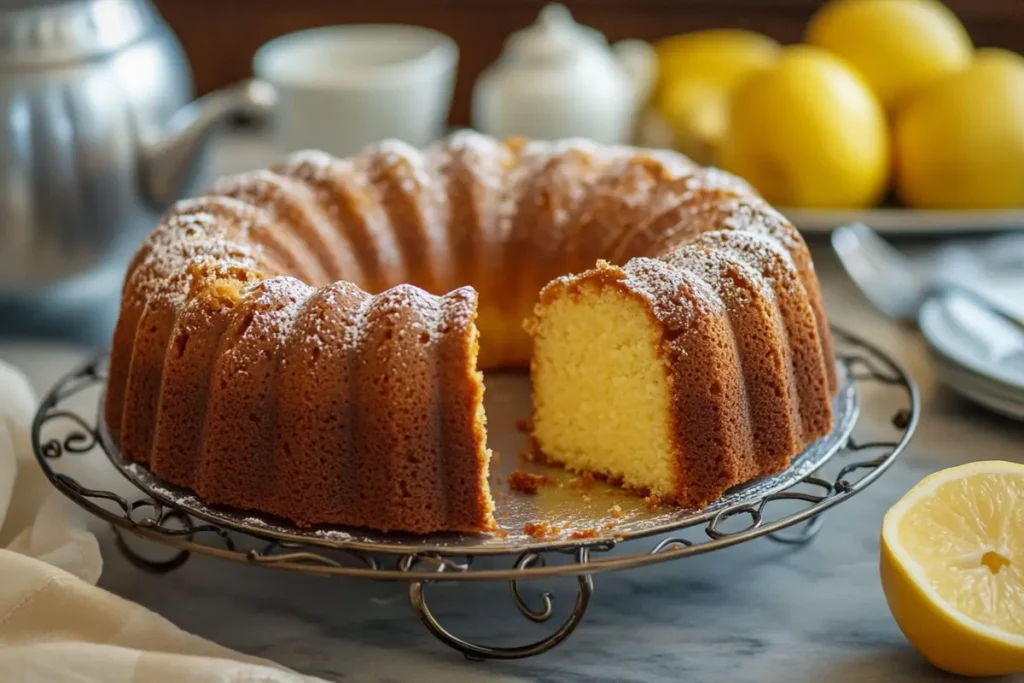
x=340 y=88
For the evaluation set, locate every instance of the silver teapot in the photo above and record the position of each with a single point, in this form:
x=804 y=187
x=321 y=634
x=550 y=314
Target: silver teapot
x=98 y=133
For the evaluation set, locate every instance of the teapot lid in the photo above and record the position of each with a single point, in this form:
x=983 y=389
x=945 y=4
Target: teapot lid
x=35 y=32
x=555 y=33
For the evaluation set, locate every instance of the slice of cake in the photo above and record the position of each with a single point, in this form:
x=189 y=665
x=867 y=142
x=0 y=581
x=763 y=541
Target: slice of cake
x=675 y=376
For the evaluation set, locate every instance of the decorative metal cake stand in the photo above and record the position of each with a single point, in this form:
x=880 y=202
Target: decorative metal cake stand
x=585 y=527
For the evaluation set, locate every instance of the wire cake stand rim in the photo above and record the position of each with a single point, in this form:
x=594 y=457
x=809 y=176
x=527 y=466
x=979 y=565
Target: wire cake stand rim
x=812 y=459
x=427 y=564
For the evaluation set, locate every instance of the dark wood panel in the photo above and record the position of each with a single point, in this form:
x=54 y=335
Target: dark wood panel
x=220 y=36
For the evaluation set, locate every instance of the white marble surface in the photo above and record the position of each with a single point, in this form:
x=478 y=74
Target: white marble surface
x=755 y=612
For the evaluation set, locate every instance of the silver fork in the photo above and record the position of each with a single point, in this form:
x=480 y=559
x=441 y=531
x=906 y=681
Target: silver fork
x=893 y=284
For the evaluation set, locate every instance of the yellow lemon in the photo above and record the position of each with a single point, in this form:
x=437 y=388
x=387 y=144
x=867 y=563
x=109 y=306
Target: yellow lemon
x=697 y=74
x=952 y=567
x=897 y=45
x=697 y=111
x=808 y=132
x=960 y=142
x=718 y=56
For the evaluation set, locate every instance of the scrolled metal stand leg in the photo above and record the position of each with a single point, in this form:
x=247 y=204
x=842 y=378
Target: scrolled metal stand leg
x=152 y=566
x=417 y=599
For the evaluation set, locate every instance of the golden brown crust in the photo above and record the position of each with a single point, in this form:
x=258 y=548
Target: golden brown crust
x=316 y=399
x=808 y=356
x=468 y=503
x=355 y=212
x=473 y=171
x=759 y=351
x=237 y=444
x=412 y=199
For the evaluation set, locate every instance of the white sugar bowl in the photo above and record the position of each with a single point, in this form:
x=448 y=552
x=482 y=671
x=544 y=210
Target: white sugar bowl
x=558 y=79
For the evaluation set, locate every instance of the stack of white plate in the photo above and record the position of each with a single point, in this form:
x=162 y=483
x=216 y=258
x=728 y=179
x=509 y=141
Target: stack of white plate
x=968 y=298
x=977 y=354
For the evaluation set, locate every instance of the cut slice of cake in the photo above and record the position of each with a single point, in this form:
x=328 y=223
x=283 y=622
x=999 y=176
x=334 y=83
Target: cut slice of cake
x=673 y=376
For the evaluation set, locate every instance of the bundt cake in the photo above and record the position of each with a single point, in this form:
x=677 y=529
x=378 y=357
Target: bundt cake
x=303 y=341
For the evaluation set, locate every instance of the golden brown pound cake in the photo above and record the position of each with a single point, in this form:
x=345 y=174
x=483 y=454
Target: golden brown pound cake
x=303 y=340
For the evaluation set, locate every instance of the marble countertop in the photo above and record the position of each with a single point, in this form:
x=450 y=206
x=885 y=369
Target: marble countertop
x=755 y=612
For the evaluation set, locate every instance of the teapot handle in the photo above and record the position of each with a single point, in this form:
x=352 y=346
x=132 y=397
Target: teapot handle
x=640 y=62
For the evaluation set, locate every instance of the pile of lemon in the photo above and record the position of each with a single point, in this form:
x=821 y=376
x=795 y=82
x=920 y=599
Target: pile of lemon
x=882 y=95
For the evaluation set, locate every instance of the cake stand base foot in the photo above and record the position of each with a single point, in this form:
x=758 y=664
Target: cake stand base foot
x=474 y=652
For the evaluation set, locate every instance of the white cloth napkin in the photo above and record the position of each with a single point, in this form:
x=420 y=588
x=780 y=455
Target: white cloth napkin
x=55 y=624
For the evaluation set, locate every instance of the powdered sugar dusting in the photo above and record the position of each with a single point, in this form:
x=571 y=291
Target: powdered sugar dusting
x=757 y=249
x=677 y=294
x=395 y=303
x=164 y=272
x=340 y=181
x=413 y=197
x=720 y=268
x=619 y=190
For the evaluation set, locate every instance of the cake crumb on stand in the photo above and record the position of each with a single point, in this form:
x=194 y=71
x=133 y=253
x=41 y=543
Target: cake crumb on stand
x=546 y=531
x=584 y=482
x=541 y=531
x=584 y=534
x=525 y=482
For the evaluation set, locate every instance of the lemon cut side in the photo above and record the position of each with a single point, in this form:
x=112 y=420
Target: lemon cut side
x=952 y=568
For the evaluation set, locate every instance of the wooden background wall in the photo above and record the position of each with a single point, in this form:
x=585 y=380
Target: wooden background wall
x=220 y=36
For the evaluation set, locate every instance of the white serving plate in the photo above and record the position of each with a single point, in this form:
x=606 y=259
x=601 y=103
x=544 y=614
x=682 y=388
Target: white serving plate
x=982 y=391
x=981 y=359
x=899 y=221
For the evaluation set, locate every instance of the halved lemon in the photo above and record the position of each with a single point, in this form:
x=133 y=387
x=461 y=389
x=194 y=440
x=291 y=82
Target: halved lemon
x=952 y=567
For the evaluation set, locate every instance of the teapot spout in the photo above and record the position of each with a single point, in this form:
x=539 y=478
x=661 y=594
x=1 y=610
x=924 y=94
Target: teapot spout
x=171 y=161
